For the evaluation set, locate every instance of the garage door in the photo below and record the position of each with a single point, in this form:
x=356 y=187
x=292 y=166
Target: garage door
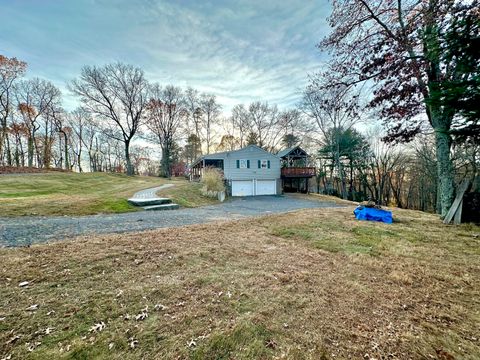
x=242 y=187
x=266 y=187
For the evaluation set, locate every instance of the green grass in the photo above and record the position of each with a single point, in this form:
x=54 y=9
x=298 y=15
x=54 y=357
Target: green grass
x=187 y=194
x=245 y=341
x=84 y=194
x=368 y=238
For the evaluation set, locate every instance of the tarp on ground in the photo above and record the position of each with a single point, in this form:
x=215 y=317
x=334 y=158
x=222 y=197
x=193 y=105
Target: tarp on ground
x=372 y=214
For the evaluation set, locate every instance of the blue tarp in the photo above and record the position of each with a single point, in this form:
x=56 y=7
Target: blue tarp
x=372 y=214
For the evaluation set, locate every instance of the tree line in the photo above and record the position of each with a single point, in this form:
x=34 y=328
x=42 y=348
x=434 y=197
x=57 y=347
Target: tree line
x=121 y=112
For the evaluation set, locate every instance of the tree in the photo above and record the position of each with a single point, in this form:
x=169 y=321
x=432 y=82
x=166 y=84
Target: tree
x=290 y=140
x=263 y=122
x=37 y=99
x=192 y=100
x=240 y=122
x=165 y=115
x=78 y=120
x=252 y=138
x=11 y=69
x=342 y=145
x=228 y=143
x=334 y=111
x=192 y=149
x=118 y=95
x=399 y=47
x=210 y=110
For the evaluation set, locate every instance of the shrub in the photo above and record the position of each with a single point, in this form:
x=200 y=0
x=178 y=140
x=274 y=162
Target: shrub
x=212 y=181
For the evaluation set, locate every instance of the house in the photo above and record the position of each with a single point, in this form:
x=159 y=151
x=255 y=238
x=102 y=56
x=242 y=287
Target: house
x=295 y=172
x=247 y=172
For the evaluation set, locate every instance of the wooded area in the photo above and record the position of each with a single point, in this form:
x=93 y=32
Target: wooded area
x=393 y=118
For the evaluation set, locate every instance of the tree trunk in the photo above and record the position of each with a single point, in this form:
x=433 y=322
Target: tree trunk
x=30 y=151
x=446 y=180
x=166 y=162
x=67 y=162
x=128 y=162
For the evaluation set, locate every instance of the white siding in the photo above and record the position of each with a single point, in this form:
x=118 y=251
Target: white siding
x=254 y=154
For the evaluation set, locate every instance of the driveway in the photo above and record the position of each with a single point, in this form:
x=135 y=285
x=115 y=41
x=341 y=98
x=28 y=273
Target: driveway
x=22 y=231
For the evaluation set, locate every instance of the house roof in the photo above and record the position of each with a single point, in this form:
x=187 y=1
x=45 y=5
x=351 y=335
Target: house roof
x=221 y=155
x=291 y=150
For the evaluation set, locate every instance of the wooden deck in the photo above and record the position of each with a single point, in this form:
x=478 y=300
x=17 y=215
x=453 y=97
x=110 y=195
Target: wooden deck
x=293 y=172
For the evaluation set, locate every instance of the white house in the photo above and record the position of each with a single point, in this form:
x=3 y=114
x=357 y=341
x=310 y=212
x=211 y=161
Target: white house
x=249 y=171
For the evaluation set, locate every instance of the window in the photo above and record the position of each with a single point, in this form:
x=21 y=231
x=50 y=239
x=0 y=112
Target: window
x=243 y=164
x=264 y=164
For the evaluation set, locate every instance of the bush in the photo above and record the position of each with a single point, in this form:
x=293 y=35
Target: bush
x=212 y=181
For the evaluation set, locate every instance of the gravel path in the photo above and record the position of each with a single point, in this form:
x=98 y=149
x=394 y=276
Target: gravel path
x=150 y=193
x=23 y=231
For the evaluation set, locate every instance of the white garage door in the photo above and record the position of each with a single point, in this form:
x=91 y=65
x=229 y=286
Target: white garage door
x=242 y=187
x=266 y=187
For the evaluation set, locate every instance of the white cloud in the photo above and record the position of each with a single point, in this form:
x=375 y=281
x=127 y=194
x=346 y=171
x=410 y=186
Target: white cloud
x=240 y=52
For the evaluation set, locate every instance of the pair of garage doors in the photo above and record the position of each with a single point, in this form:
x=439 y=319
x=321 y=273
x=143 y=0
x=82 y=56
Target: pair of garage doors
x=254 y=187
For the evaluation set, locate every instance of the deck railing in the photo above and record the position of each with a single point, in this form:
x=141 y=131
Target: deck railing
x=298 y=172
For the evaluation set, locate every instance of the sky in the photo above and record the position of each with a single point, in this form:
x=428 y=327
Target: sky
x=239 y=50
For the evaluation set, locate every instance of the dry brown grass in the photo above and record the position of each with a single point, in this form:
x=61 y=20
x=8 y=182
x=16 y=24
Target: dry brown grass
x=308 y=285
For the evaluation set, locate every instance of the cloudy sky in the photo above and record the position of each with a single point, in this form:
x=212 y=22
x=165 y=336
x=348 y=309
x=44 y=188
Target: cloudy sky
x=240 y=50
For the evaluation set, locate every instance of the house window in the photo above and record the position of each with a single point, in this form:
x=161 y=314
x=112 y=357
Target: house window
x=243 y=164
x=264 y=164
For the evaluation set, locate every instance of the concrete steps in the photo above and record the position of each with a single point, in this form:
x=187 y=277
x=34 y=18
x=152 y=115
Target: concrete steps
x=151 y=204
x=171 y=206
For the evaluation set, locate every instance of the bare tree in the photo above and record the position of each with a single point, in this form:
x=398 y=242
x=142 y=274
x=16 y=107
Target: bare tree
x=166 y=114
x=36 y=100
x=117 y=94
x=210 y=111
x=10 y=70
x=192 y=104
x=240 y=123
x=78 y=121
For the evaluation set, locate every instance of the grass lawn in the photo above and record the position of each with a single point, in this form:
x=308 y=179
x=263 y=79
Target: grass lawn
x=79 y=194
x=314 y=284
x=187 y=194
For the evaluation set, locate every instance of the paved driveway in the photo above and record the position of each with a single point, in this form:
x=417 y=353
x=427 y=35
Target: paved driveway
x=22 y=231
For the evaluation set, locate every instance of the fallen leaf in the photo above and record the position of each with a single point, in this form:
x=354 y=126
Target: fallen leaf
x=160 y=307
x=142 y=316
x=13 y=339
x=97 y=327
x=133 y=343
x=33 y=346
x=271 y=344
x=192 y=343
x=32 y=307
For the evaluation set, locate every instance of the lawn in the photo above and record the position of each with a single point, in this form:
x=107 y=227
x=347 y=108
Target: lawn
x=58 y=193
x=314 y=284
